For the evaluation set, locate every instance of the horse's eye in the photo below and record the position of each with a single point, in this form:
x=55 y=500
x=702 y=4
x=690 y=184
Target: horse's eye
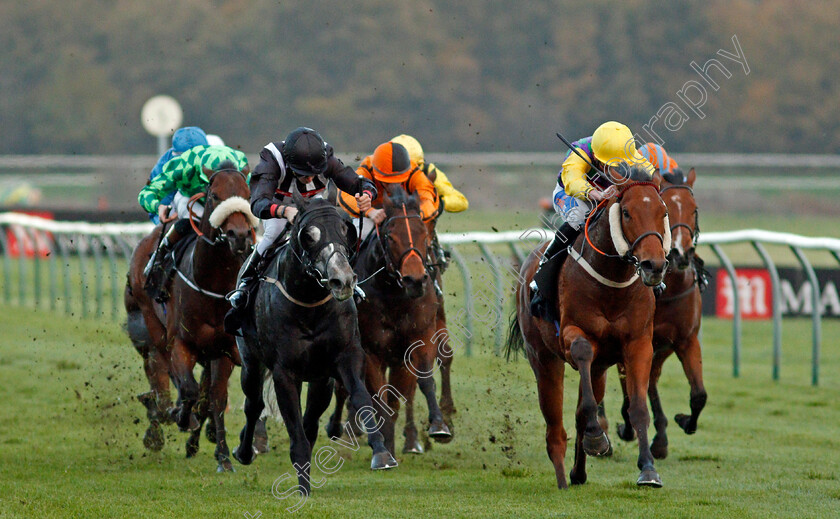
x=214 y=196
x=625 y=213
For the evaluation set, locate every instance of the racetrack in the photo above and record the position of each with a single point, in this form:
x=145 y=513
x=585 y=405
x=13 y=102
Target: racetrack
x=70 y=440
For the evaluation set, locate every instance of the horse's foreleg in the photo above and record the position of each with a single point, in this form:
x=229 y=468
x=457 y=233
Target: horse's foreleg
x=300 y=451
x=318 y=398
x=349 y=367
x=446 y=355
x=549 y=373
x=424 y=358
x=692 y=362
x=590 y=437
x=182 y=362
x=599 y=385
x=251 y=380
x=405 y=384
x=624 y=430
x=333 y=428
x=637 y=361
x=659 y=446
x=202 y=409
x=220 y=370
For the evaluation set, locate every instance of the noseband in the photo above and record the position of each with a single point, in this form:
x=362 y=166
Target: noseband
x=305 y=257
x=219 y=238
x=694 y=232
x=628 y=255
x=393 y=268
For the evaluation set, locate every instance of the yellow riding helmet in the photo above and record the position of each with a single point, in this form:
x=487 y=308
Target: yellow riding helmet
x=412 y=145
x=613 y=142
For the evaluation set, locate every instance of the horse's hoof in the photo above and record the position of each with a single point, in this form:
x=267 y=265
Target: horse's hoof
x=154 y=438
x=243 y=459
x=333 y=431
x=438 y=431
x=413 y=448
x=225 y=466
x=625 y=432
x=261 y=444
x=576 y=479
x=192 y=446
x=649 y=478
x=382 y=460
x=684 y=421
x=596 y=445
x=659 y=449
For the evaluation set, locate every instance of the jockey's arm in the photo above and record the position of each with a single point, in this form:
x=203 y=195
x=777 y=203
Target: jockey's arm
x=362 y=180
x=429 y=204
x=263 y=184
x=454 y=200
x=163 y=185
x=573 y=174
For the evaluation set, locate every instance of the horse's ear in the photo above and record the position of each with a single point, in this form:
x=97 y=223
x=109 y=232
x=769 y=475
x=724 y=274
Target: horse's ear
x=246 y=170
x=207 y=172
x=657 y=178
x=297 y=198
x=692 y=176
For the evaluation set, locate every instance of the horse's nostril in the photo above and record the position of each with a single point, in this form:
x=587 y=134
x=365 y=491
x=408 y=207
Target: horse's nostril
x=334 y=284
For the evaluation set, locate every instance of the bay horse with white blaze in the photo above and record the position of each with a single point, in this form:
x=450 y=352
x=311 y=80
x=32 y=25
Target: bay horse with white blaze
x=605 y=308
x=678 y=314
x=304 y=329
x=188 y=329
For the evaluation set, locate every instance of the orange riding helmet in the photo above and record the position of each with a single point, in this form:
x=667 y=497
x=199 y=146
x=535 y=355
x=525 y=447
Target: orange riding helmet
x=391 y=163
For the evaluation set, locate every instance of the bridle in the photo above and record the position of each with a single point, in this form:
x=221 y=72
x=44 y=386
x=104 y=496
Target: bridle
x=305 y=257
x=393 y=267
x=694 y=232
x=220 y=238
x=628 y=255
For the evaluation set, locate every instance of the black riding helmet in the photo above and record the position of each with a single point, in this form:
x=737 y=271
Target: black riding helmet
x=305 y=152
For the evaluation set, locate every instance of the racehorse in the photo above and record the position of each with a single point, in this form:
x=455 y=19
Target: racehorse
x=398 y=320
x=605 y=317
x=678 y=313
x=304 y=328
x=188 y=328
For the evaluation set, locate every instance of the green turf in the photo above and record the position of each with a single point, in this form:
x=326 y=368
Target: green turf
x=70 y=441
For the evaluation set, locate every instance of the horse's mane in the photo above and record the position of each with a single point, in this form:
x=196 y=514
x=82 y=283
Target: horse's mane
x=676 y=177
x=226 y=164
x=632 y=173
x=399 y=196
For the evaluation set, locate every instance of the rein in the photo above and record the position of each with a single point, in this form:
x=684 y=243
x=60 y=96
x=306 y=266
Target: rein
x=198 y=196
x=628 y=256
x=392 y=267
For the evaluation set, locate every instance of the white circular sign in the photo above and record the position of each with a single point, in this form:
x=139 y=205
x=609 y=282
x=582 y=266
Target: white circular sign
x=161 y=115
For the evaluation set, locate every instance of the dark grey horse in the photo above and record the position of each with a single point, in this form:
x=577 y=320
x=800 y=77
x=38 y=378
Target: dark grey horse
x=305 y=328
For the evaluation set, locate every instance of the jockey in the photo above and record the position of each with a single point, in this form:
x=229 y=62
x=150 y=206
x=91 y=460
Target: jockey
x=452 y=200
x=182 y=140
x=390 y=164
x=307 y=161
x=578 y=189
x=183 y=175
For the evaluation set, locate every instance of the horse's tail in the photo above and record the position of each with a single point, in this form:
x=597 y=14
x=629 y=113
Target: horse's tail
x=515 y=341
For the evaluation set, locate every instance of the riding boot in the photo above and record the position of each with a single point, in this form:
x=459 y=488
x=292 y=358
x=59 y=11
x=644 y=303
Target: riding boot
x=700 y=272
x=161 y=263
x=240 y=297
x=544 y=284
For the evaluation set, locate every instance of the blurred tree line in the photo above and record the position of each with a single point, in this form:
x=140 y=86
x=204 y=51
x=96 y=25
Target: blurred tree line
x=466 y=75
